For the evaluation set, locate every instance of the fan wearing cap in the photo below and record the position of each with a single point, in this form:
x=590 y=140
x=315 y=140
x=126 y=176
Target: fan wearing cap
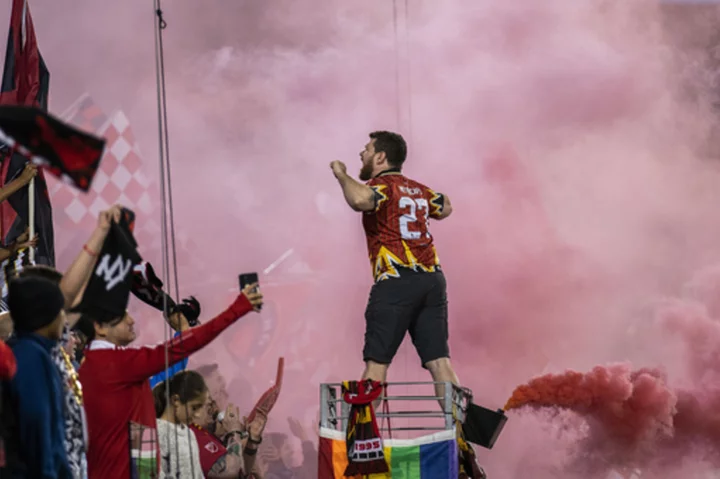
x=36 y=392
x=182 y=317
x=114 y=376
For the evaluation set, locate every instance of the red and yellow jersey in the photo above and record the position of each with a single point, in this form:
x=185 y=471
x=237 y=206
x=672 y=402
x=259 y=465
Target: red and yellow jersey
x=397 y=229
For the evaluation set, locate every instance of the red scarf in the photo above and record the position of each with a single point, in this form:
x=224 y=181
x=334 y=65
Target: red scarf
x=269 y=398
x=364 y=444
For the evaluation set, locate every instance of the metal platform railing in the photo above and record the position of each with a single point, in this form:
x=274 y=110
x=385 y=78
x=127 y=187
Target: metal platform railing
x=455 y=402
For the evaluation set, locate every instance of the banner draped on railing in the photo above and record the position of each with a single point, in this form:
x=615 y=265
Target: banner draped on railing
x=428 y=457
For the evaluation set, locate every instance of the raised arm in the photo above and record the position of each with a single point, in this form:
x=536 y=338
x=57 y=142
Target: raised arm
x=255 y=432
x=359 y=196
x=144 y=362
x=77 y=276
x=27 y=174
x=230 y=465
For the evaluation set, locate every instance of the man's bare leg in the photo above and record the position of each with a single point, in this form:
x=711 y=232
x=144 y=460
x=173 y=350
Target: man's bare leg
x=441 y=371
x=376 y=372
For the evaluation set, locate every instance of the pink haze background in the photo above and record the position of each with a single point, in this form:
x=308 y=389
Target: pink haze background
x=572 y=137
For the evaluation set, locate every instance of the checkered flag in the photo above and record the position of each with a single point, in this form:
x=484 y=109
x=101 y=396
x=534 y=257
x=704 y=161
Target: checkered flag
x=120 y=179
x=85 y=114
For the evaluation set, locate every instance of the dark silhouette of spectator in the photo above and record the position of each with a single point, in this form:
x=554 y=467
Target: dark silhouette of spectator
x=36 y=392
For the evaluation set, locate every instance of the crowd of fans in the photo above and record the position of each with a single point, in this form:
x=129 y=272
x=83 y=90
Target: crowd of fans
x=85 y=402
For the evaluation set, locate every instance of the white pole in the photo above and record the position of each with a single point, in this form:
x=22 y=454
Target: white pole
x=31 y=215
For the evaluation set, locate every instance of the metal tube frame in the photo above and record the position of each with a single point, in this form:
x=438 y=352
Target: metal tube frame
x=455 y=402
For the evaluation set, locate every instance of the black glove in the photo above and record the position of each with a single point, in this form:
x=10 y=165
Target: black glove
x=190 y=308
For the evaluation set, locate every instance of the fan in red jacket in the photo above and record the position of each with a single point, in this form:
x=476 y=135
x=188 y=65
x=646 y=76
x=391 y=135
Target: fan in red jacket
x=118 y=400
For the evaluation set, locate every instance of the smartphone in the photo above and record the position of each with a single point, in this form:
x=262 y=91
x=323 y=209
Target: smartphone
x=248 y=278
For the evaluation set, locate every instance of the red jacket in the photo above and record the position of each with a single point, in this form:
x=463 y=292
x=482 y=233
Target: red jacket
x=117 y=392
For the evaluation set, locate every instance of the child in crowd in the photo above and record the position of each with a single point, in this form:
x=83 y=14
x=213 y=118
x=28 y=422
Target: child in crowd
x=179 y=452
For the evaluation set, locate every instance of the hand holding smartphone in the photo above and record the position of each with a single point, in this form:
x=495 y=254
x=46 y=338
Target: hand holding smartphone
x=248 y=279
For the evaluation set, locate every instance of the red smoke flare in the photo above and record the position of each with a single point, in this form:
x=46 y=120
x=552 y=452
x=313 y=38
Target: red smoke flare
x=629 y=406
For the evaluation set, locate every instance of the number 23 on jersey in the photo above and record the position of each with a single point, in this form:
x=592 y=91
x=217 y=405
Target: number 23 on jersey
x=413 y=227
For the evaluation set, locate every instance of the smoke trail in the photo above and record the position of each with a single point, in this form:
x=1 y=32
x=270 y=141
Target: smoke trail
x=630 y=407
x=571 y=137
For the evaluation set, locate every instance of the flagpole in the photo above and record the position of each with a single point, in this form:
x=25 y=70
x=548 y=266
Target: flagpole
x=31 y=217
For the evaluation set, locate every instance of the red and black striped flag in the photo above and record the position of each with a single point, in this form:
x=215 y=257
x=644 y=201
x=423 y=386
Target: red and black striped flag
x=25 y=82
x=66 y=152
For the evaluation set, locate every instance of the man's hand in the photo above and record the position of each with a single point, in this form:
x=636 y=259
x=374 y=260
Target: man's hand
x=359 y=197
x=178 y=322
x=23 y=241
x=338 y=168
x=107 y=217
x=253 y=295
x=24 y=236
x=232 y=420
x=27 y=243
x=28 y=174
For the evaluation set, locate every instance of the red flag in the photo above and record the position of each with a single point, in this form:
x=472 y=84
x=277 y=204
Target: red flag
x=25 y=82
x=66 y=152
x=26 y=79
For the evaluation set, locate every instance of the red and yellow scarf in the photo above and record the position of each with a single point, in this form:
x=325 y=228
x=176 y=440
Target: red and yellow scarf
x=364 y=443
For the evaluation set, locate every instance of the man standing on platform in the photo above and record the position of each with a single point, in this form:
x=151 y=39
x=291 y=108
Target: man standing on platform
x=409 y=293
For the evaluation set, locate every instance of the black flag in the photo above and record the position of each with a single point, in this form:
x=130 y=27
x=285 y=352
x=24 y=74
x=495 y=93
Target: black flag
x=147 y=287
x=108 y=291
x=66 y=152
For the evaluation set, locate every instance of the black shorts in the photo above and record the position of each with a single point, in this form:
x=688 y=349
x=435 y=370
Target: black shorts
x=415 y=302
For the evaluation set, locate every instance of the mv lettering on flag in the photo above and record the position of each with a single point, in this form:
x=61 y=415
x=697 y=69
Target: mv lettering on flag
x=108 y=291
x=114 y=273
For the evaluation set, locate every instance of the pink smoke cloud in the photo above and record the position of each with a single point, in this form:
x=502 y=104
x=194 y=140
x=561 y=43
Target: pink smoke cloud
x=570 y=137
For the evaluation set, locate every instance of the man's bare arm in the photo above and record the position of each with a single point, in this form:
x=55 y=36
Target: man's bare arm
x=228 y=466
x=23 y=179
x=78 y=275
x=359 y=196
x=231 y=464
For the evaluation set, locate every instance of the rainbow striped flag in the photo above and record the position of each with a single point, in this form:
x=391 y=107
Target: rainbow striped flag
x=427 y=457
x=143 y=451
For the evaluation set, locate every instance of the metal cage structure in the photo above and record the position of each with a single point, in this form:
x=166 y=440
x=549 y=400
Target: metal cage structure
x=334 y=412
